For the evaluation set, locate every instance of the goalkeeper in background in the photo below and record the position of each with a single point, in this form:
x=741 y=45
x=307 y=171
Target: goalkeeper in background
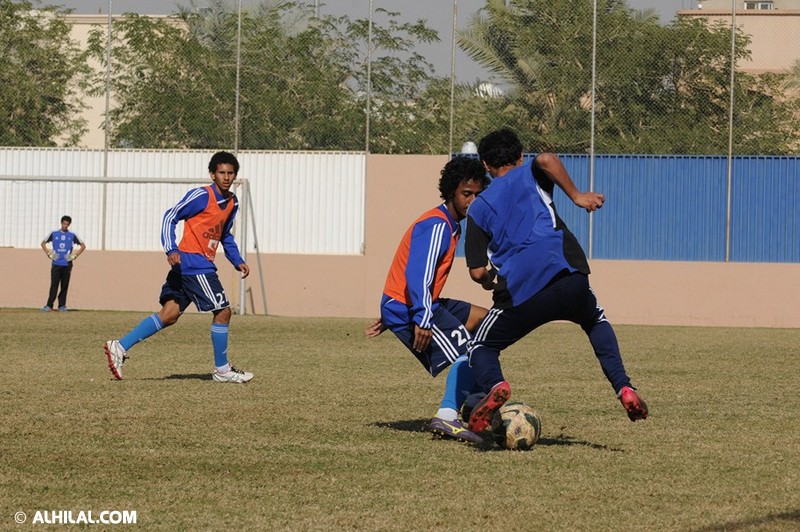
x=207 y=214
x=436 y=330
x=62 y=241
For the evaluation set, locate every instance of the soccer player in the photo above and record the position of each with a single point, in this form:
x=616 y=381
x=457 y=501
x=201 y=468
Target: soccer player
x=62 y=241
x=539 y=271
x=435 y=329
x=207 y=213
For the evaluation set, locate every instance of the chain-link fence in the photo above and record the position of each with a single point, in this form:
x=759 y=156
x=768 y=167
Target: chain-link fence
x=571 y=76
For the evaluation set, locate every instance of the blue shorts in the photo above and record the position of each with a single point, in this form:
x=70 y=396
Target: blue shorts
x=204 y=290
x=450 y=336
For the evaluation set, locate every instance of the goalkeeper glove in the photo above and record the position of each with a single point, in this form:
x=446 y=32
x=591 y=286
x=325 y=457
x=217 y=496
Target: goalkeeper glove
x=51 y=255
x=72 y=256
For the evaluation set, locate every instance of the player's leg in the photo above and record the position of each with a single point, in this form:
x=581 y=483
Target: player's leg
x=208 y=295
x=476 y=315
x=66 y=273
x=55 y=276
x=219 y=339
x=451 y=334
x=173 y=302
x=484 y=359
x=498 y=330
x=592 y=319
x=458 y=384
x=450 y=339
x=447 y=349
x=453 y=318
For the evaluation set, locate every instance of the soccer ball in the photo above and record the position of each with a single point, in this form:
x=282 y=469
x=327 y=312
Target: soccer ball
x=516 y=426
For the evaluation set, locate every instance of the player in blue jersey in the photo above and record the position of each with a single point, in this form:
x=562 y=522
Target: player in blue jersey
x=539 y=272
x=207 y=214
x=62 y=243
x=436 y=330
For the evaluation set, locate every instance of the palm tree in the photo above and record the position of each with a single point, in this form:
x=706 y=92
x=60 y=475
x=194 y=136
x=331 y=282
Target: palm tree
x=487 y=41
x=793 y=77
x=645 y=15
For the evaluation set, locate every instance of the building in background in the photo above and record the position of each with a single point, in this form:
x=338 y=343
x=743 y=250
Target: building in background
x=773 y=27
x=94 y=113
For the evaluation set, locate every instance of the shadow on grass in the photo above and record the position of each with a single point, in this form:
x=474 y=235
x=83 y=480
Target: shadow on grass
x=183 y=376
x=789 y=519
x=563 y=439
x=409 y=425
x=421 y=425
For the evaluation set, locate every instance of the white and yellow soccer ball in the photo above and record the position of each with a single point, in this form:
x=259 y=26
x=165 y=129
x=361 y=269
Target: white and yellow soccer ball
x=516 y=426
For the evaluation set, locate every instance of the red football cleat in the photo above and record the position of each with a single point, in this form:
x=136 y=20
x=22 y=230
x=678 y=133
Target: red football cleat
x=634 y=405
x=481 y=416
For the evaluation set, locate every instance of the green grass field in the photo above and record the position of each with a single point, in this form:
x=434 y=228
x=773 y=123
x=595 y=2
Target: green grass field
x=331 y=434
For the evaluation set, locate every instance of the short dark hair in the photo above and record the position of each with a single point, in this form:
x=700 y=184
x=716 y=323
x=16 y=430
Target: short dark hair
x=66 y=218
x=223 y=157
x=461 y=169
x=500 y=148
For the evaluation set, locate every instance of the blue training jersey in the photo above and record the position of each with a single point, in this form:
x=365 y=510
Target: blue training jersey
x=514 y=222
x=193 y=204
x=63 y=242
x=419 y=270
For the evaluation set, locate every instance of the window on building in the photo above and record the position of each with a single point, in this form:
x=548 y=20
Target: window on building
x=759 y=5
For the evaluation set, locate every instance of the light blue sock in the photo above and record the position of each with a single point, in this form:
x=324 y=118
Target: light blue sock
x=459 y=384
x=219 y=339
x=146 y=328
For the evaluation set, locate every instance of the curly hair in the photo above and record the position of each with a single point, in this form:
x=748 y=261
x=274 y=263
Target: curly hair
x=223 y=157
x=500 y=148
x=461 y=169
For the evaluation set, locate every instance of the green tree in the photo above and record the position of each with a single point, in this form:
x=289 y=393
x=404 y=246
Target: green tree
x=169 y=90
x=43 y=72
x=658 y=89
x=303 y=79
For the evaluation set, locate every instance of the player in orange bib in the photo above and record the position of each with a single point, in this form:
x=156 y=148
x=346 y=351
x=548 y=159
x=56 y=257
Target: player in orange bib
x=207 y=214
x=435 y=329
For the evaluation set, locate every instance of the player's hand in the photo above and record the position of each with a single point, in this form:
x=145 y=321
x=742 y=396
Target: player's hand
x=245 y=269
x=374 y=329
x=422 y=338
x=174 y=258
x=591 y=201
x=51 y=255
x=72 y=256
x=488 y=283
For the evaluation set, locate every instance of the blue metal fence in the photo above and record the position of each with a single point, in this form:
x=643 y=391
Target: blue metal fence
x=675 y=208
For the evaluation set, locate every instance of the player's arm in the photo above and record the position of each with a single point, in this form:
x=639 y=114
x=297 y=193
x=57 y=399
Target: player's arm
x=476 y=251
x=429 y=241
x=229 y=243
x=50 y=254
x=552 y=167
x=81 y=249
x=192 y=204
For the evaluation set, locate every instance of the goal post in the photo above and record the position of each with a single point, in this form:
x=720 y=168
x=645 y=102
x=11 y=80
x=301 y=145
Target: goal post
x=120 y=214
